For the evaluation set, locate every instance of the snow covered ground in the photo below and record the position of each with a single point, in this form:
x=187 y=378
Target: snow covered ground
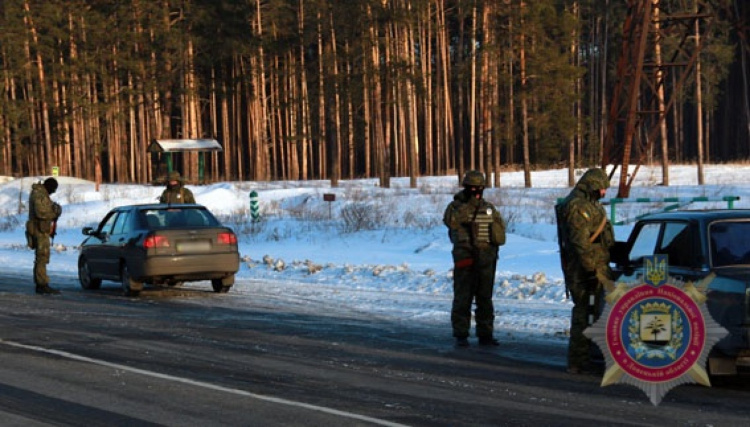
x=376 y=252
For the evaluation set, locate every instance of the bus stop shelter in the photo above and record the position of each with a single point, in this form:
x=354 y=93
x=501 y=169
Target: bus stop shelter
x=163 y=150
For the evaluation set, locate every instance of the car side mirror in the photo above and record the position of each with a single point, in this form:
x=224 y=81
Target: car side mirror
x=618 y=254
x=87 y=231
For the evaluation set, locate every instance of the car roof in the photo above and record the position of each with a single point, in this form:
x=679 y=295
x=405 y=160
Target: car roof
x=147 y=206
x=700 y=215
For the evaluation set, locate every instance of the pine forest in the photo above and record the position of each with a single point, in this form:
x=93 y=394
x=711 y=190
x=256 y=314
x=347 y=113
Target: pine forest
x=344 y=89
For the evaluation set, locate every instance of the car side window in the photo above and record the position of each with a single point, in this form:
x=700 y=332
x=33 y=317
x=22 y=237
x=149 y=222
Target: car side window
x=121 y=225
x=645 y=242
x=729 y=246
x=107 y=223
x=677 y=244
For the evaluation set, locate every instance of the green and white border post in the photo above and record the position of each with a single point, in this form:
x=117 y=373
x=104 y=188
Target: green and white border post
x=254 y=208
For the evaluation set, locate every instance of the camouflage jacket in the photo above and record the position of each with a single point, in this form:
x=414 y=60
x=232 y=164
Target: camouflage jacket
x=587 y=234
x=473 y=225
x=177 y=194
x=42 y=210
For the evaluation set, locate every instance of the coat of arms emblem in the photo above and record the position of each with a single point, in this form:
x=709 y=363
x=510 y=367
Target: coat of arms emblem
x=657 y=334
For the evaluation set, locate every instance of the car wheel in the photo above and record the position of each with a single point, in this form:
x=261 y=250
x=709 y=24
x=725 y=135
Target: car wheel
x=84 y=276
x=222 y=285
x=130 y=287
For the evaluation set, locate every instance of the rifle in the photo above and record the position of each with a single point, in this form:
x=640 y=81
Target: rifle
x=53 y=227
x=561 y=243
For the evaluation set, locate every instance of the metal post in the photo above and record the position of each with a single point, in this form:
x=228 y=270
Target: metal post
x=201 y=166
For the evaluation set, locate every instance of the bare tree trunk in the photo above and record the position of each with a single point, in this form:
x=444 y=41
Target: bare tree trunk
x=486 y=96
x=382 y=157
x=194 y=129
x=603 y=81
x=261 y=162
x=460 y=101
x=524 y=105
x=660 y=96
x=473 y=93
x=336 y=151
x=446 y=132
x=511 y=131
x=304 y=105
x=45 y=156
x=426 y=54
x=322 y=135
x=351 y=153
x=698 y=100
x=574 y=145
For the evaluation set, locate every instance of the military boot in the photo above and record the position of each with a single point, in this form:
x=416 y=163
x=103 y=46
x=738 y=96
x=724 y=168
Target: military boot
x=46 y=290
x=488 y=341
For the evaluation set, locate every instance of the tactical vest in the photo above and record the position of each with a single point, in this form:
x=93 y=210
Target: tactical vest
x=483 y=221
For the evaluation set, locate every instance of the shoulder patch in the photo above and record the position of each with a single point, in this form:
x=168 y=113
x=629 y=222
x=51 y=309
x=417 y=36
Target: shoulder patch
x=584 y=214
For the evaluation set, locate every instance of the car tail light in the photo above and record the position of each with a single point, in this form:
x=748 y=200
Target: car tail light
x=226 y=238
x=155 y=241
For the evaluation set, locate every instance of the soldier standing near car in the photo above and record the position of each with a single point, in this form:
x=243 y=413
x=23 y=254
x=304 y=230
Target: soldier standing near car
x=476 y=230
x=176 y=191
x=585 y=236
x=40 y=229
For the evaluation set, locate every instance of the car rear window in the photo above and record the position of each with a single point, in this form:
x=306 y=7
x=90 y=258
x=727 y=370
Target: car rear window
x=179 y=217
x=730 y=243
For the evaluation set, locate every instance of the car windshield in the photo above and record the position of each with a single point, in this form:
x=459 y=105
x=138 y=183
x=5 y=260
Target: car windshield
x=730 y=244
x=179 y=217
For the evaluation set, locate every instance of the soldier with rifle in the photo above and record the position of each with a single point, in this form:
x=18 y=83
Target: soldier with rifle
x=40 y=229
x=585 y=236
x=476 y=230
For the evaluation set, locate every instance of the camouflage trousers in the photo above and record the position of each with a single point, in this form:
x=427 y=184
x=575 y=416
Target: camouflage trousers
x=474 y=283
x=41 y=259
x=579 y=346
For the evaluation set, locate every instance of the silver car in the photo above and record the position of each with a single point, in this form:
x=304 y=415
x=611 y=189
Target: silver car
x=158 y=244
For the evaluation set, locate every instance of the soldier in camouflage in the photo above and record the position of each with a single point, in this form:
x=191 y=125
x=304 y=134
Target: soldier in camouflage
x=476 y=230
x=585 y=236
x=40 y=228
x=176 y=191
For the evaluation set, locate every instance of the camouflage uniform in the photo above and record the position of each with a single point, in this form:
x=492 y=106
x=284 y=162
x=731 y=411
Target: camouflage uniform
x=586 y=237
x=176 y=193
x=43 y=212
x=476 y=230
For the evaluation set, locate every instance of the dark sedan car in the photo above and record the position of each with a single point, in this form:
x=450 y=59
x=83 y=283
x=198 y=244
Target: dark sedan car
x=700 y=244
x=158 y=244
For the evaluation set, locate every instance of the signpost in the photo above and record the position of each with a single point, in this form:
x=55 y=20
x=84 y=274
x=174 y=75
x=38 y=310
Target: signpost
x=329 y=197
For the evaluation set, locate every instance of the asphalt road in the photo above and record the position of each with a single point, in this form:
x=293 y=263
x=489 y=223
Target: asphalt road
x=193 y=357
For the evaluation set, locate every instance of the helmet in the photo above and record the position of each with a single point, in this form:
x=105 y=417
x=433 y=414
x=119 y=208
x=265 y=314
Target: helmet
x=50 y=184
x=173 y=176
x=594 y=179
x=473 y=178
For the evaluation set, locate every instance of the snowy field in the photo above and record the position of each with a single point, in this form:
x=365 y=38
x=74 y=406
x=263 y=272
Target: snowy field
x=372 y=251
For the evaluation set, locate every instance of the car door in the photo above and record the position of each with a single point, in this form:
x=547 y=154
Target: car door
x=676 y=239
x=95 y=249
x=115 y=244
